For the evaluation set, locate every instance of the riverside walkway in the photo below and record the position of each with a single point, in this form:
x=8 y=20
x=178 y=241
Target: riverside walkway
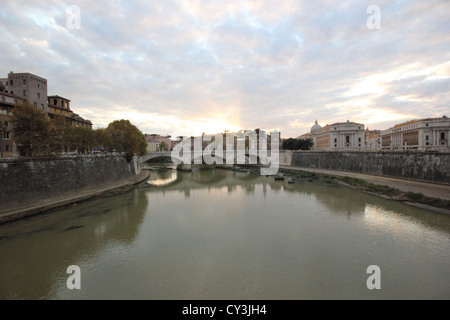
x=426 y=188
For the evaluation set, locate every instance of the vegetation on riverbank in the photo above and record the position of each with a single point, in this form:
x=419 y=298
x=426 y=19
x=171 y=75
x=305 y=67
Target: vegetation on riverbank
x=38 y=135
x=384 y=190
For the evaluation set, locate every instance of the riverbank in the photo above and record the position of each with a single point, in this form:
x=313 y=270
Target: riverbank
x=426 y=195
x=31 y=208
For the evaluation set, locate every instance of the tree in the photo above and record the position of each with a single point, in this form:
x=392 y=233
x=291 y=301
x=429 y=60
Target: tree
x=102 y=140
x=126 y=137
x=58 y=134
x=80 y=138
x=32 y=130
x=297 y=144
x=163 y=146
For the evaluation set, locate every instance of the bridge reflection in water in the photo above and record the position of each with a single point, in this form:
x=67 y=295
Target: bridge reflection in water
x=222 y=234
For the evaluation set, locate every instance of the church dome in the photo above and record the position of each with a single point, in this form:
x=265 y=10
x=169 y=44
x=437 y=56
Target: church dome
x=315 y=127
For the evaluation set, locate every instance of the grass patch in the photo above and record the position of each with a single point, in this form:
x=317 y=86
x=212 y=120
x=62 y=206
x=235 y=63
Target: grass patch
x=414 y=195
x=435 y=202
x=375 y=188
x=370 y=187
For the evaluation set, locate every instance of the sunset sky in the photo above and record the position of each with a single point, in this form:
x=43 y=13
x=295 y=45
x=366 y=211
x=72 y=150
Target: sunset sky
x=187 y=67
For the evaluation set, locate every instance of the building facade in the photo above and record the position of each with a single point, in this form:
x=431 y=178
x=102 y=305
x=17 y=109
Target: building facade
x=59 y=106
x=339 y=136
x=28 y=86
x=155 y=143
x=373 y=139
x=20 y=87
x=423 y=134
x=8 y=101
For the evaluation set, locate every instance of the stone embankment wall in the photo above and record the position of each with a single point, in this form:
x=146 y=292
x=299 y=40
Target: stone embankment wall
x=28 y=179
x=425 y=166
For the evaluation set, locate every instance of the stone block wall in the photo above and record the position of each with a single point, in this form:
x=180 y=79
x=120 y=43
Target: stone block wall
x=26 y=179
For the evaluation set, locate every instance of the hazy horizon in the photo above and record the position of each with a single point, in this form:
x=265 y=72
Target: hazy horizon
x=187 y=67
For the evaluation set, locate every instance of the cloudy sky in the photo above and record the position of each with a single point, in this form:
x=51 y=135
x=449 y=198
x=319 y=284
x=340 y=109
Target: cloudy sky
x=193 y=66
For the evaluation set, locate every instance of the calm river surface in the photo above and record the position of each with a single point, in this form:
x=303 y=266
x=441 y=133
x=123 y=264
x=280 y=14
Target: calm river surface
x=219 y=234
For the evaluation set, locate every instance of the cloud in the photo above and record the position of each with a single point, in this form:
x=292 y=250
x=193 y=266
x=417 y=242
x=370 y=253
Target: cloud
x=183 y=67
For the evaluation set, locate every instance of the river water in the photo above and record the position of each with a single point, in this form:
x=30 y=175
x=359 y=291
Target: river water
x=220 y=234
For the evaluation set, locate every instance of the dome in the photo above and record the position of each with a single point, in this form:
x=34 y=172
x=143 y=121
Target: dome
x=315 y=127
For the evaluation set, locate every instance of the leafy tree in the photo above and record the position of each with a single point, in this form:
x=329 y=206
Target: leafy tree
x=102 y=140
x=163 y=146
x=58 y=134
x=297 y=144
x=126 y=137
x=32 y=130
x=80 y=138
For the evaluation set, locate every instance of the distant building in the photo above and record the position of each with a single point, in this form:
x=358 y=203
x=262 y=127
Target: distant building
x=28 y=86
x=19 y=87
x=155 y=143
x=423 y=134
x=373 y=139
x=338 y=136
x=8 y=101
x=305 y=136
x=59 y=106
x=310 y=134
x=173 y=143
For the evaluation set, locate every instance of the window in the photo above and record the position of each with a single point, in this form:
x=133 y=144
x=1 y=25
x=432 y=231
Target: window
x=24 y=81
x=347 y=139
x=335 y=145
x=35 y=105
x=442 y=135
x=6 y=135
x=12 y=92
x=359 y=145
x=5 y=112
x=7 y=148
x=42 y=106
x=3 y=99
x=54 y=102
x=7 y=124
x=427 y=124
x=359 y=140
x=335 y=140
x=426 y=138
x=359 y=128
x=11 y=82
x=38 y=85
x=24 y=93
x=39 y=95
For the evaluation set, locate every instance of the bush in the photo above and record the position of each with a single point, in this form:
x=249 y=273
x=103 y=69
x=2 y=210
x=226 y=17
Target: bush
x=414 y=195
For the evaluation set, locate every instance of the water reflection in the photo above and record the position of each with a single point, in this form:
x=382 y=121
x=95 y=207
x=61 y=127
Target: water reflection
x=163 y=178
x=37 y=250
x=218 y=234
